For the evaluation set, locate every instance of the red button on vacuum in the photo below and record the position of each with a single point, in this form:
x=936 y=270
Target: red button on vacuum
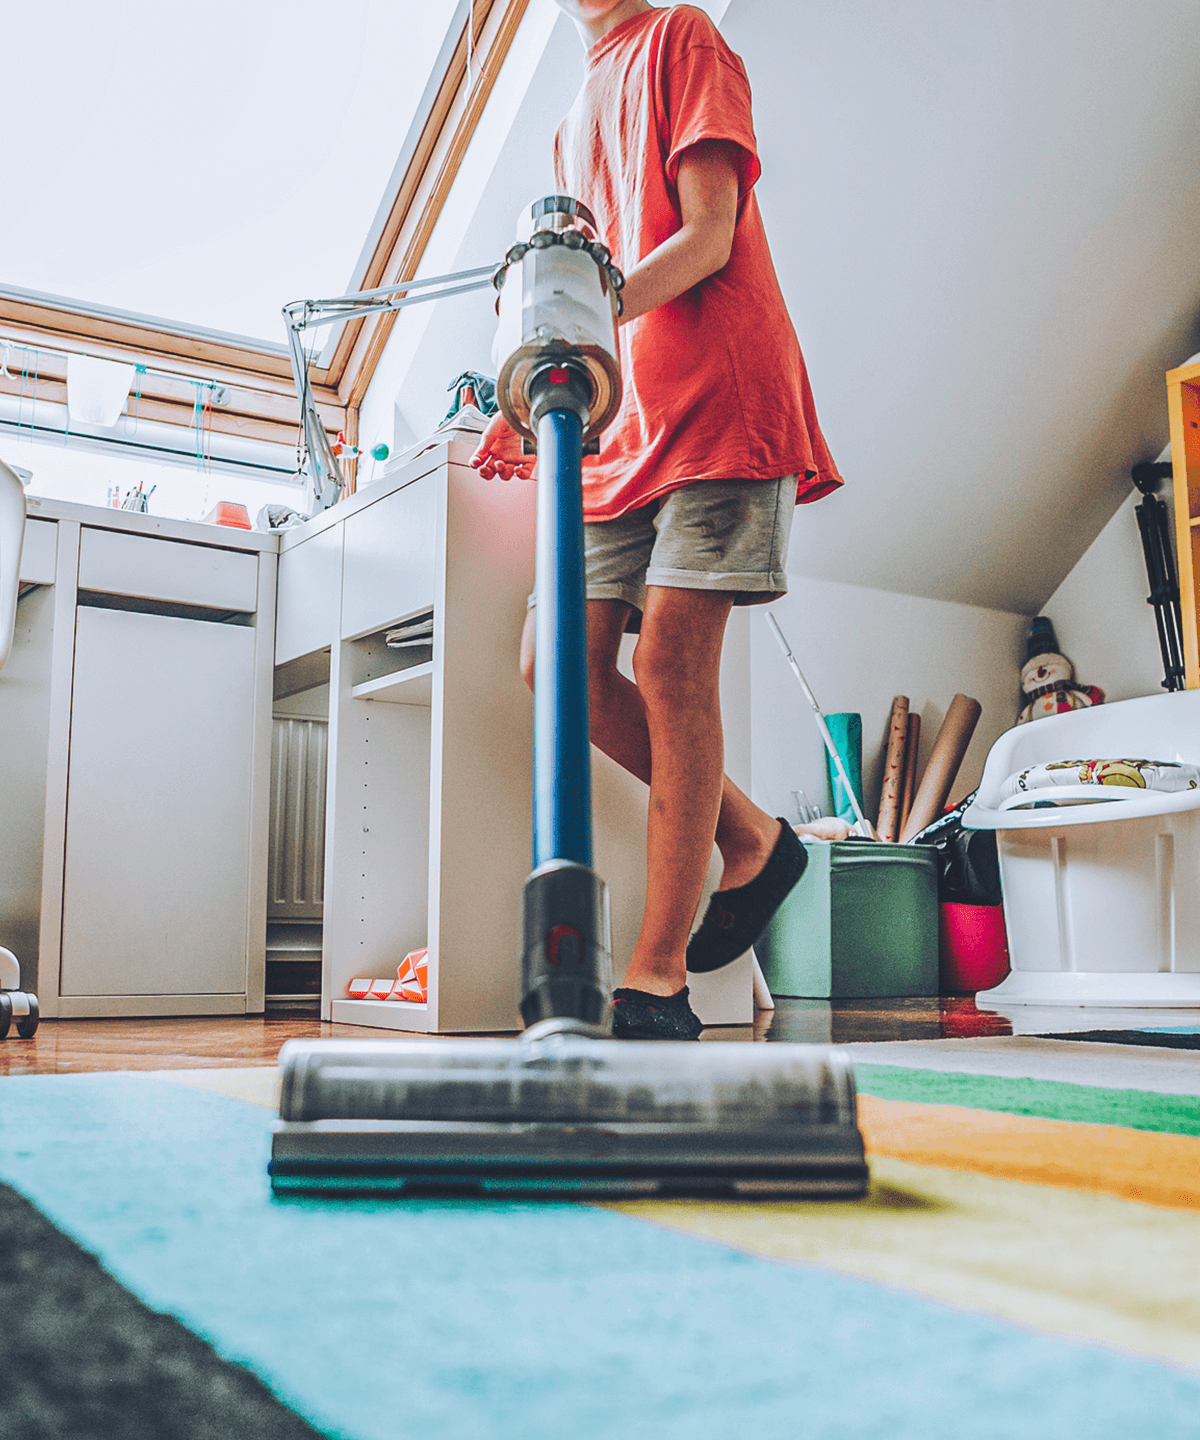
x=564 y=944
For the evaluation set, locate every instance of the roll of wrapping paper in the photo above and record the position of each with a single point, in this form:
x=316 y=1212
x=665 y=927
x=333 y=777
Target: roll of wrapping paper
x=893 y=771
x=912 y=742
x=944 y=762
x=846 y=729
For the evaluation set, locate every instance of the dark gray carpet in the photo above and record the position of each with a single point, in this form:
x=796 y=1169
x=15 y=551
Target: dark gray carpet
x=1159 y=1039
x=83 y=1359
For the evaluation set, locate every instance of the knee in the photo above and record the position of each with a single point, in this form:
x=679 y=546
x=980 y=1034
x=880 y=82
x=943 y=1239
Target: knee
x=602 y=678
x=600 y=674
x=526 y=659
x=655 y=671
x=667 y=679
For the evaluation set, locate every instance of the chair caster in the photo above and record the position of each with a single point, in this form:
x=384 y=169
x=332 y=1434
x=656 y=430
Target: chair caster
x=27 y=1024
x=15 y=1003
x=21 y=1006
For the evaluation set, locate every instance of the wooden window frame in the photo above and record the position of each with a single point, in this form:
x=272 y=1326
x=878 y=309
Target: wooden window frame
x=262 y=401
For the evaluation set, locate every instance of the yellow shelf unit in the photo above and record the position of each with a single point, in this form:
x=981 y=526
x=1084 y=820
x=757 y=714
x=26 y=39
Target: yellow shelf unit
x=1183 y=403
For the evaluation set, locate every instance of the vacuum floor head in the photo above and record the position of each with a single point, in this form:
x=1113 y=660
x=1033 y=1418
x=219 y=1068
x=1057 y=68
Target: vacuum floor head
x=566 y=1114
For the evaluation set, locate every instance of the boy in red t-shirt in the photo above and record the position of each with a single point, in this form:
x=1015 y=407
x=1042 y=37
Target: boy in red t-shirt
x=688 y=507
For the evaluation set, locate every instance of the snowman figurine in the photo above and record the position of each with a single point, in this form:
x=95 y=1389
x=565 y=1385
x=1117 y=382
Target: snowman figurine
x=1048 y=677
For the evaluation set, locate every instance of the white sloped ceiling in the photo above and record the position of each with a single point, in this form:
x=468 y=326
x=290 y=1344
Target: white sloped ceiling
x=986 y=219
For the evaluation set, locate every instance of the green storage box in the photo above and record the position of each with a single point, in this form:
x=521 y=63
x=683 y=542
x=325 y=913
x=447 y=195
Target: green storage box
x=862 y=922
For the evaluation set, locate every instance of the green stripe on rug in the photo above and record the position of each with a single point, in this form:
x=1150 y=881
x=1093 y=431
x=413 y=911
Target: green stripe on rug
x=1050 y=1099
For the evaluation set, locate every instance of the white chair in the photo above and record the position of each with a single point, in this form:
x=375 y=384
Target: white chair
x=14 y=1002
x=12 y=535
x=1101 y=899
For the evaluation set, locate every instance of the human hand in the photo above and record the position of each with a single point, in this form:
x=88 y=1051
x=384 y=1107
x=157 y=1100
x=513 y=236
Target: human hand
x=498 y=453
x=828 y=827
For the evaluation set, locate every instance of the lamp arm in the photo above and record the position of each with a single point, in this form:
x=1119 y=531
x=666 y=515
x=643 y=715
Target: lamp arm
x=325 y=472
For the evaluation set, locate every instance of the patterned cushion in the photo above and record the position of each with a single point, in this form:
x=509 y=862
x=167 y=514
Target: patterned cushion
x=1068 y=782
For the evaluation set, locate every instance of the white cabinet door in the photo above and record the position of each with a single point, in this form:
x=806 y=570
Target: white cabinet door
x=158 y=807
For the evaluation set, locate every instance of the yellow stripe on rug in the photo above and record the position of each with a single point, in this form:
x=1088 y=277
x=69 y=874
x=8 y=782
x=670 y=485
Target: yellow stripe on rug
x=1146 y=1165
x=1089 y=1267
x=255 y=1084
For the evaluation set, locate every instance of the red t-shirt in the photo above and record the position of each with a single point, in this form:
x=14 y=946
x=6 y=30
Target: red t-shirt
x=715 y=386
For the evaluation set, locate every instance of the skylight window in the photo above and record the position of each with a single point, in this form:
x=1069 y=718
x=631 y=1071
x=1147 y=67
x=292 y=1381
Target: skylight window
x=205 y=166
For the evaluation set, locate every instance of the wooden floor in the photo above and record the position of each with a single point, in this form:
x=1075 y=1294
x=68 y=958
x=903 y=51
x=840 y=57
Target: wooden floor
x=72 y=1046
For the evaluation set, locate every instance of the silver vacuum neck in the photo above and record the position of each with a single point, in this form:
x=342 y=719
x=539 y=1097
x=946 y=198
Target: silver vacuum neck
x=559 y=302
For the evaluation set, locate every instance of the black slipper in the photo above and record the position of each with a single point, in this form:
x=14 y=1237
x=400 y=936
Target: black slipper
x=638 y=1015
x=736 y=918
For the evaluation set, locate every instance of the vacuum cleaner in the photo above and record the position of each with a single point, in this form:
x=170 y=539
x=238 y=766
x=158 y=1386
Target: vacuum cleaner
x=564 y=1109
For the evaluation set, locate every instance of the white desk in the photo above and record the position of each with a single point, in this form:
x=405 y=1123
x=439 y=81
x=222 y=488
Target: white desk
x=428 y=832
x=136 y=714
x=135 y=777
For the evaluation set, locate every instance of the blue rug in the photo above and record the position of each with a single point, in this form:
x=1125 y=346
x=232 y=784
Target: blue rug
x=476 y=1321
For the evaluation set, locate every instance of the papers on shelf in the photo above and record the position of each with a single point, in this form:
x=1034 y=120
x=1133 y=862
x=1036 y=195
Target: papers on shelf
x=466 y=424
x=417 y=631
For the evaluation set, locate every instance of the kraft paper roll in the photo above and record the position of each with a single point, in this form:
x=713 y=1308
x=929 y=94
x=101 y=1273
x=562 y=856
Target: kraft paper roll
x=893 y=771
x=944 y=762
x=912 y=742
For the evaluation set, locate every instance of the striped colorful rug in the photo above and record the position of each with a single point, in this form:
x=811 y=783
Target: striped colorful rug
x=1027 y=1263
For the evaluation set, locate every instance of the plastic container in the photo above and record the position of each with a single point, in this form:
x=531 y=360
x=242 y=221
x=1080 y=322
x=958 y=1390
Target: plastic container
x=1100 y=899
x=862 y=922
x=972 y=946
x=228 y=512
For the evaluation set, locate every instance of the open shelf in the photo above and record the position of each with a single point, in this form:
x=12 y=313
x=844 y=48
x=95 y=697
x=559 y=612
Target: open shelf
x=413 y=686
x=383 y=1014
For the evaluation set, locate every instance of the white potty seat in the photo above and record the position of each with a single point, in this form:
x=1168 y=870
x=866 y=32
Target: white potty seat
x=1098 y=856
x=1081 y=782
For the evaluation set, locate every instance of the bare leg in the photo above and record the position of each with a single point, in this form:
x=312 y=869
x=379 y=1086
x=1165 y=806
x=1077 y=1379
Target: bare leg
x=745 y=834
x=668 y=725
x=677 y=666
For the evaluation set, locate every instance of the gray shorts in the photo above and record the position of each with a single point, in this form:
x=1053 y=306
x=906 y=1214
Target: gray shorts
x=710 y=535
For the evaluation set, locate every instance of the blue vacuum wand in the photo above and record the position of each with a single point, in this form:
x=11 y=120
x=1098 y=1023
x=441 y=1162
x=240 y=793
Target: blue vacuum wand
x=560 y=384
x=567 y=964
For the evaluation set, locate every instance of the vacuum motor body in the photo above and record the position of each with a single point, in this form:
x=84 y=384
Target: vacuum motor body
x=559 y=302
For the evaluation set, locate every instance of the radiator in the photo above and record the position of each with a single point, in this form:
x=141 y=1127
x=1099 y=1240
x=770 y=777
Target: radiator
x=296 y=875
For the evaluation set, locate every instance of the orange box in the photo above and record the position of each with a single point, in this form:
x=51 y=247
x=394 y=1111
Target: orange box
x=228 y=512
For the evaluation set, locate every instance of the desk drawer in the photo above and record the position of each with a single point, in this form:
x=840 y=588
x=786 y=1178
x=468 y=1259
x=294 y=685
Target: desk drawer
x=153 y=569
x=39 y=554
x=309 y=593
x=387 y=571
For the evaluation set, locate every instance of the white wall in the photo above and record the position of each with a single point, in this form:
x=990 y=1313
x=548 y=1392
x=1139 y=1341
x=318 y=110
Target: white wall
x=1101 y=617
x=858 y=648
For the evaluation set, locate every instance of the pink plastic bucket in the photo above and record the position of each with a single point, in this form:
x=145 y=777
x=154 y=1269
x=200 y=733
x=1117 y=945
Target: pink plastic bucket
x=972 y=948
